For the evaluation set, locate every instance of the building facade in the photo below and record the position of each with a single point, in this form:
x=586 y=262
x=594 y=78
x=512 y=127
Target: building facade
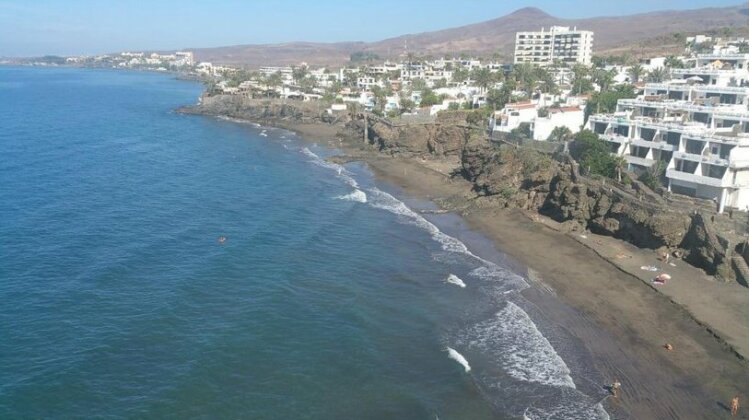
x=558 y=44
x=696 y=126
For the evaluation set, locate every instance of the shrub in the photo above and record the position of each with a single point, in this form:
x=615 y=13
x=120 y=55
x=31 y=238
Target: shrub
x=594 y=155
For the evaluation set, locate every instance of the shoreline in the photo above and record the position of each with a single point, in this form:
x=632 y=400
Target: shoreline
x=620 y=319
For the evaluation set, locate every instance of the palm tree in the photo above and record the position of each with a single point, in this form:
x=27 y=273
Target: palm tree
x=603 y=78
x=483 y=78
x=547 y=80
x=580 y=81
x=673 y=62
x=379 y=94
x=460 y=75
x=498 y=98
x=657 y=75
x=560 y=134
x=273 y=81
x=635 y=73
x=298 y=74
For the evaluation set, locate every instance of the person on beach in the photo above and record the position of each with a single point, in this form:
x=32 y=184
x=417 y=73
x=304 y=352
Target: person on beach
x=735 y=406
x=615 y=387
x=669 y=347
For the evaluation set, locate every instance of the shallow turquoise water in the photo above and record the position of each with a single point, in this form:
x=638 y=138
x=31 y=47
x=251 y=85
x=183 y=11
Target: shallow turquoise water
x=328 y=300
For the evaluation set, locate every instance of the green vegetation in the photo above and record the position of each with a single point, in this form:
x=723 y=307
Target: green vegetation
x=673 y=62
x=652 y=177
x=611 y=60
x=560 y=134
x=605 y=102
x=521 y=133
x=594 y=155
x=581 y=83
x=657 y=75
x=429 y=98
x=360 y=56
x=478 y=116
x=635 y=73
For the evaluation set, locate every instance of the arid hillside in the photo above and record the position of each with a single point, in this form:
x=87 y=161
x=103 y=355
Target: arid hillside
x=634 y=34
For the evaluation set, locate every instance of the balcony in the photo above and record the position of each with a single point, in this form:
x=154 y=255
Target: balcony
x=706 y=71
x=737 y=111
x=721 y=57
x=609 y=119
x=668 y=86
x=660 y=145
x=693 y=178
x=615 y=138
x=711 y=159
x=721 y=89
x=634 y=160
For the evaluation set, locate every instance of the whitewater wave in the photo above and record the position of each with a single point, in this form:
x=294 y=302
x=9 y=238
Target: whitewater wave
x=340 y=171
x=358 y=196
x=499 y=281
x=237 y=120
x=385 y=201
x=512 y=338
x=453 y=279
x=503 y=280
x=578 y=408
x=453 y=354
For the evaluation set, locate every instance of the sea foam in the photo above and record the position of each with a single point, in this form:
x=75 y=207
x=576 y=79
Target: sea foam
x=512 y=338
x=358 y=196
x=453 y=354
x=382 y=200
x=453 y=279
x=340 y=171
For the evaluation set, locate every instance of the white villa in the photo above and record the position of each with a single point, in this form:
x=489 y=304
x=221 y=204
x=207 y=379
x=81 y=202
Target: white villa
x=512 y=115
x=696 y=125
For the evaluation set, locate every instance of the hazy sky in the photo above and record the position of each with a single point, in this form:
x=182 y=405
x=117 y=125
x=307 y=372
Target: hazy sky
x=69 y=27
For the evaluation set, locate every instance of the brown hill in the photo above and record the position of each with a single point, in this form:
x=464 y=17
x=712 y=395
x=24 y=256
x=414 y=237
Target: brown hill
x=634 y=33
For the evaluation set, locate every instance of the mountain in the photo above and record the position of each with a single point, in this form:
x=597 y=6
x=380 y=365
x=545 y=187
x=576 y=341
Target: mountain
x=642 y=33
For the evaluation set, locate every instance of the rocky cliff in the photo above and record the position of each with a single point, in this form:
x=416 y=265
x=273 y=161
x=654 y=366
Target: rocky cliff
x=439 y=138
x=264 y=110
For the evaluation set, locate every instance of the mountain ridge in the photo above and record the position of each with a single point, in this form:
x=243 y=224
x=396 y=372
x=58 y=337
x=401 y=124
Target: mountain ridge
x=612 y=35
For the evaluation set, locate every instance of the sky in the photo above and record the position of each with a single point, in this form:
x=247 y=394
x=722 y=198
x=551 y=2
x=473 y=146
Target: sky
x=78 y=27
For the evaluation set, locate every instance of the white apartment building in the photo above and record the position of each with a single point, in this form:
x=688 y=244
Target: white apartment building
x=513 y=114
x=696 y=125
x=559 y=43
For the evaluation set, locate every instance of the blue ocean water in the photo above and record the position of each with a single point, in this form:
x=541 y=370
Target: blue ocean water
x=330 y=298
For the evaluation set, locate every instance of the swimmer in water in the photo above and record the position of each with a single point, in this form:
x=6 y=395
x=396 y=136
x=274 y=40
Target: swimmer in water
x=222 y=239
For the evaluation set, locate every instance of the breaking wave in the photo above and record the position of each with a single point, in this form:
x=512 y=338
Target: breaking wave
x=358 y=196
x=453 y=354
x=513 y=339
x=340 y=171
x=385 y=201
x=453 y=279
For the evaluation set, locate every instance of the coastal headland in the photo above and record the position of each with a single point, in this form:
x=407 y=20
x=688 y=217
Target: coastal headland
x=583 y=240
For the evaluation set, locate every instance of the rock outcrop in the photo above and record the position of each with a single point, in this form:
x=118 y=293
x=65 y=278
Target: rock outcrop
x=439 y=138
x=264 y=110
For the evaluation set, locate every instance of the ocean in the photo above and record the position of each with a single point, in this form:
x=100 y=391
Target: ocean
x=332 y=296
